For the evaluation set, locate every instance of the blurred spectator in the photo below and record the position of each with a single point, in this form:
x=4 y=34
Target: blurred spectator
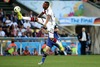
x=15 y=24
x=89 y=41
x=19 y=32
x=20 y=22
x=4 y=18
x=88 y=46
x=40 y=33
x=1 y=14
x=34 y=33
x=97 y=1
x=35 y=53
x=8 y=33
x=6 y=51
x=1 y=24
x=31 y=14
x=4 y=27
x=64 y=34
x=2 y=33
x=68 y=50
x=83 y=38
x=8 y=21
x=29 y=34
x=56 y=51
x=23 y=34
x=15 y=19
x=22 y=28
x=26 y=51
x=13 y=31
x=27 y=24
x=15 y=52
x=18 y=51
x=73 y=48
x=12 y=44
x=28 y=29
x=12 y=16
x=12 y=48
x=16 y=27
x=11 y=25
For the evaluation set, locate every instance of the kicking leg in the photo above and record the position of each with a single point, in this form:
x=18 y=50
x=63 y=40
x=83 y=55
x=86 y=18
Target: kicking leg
x=20 y=17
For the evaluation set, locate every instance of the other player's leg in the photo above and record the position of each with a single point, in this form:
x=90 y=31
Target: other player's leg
x=58 y=44
x=46 y=51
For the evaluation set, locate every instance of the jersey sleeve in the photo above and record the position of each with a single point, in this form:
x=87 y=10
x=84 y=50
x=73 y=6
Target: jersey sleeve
x=49 y=12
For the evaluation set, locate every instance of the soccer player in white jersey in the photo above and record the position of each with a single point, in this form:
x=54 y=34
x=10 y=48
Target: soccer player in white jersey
x=49 y=23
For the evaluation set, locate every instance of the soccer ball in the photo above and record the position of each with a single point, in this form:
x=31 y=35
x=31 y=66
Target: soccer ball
x=17 y=9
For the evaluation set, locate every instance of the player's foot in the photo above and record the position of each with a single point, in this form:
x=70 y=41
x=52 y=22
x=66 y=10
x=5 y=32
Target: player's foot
x=19 y=15
x=40 y=63
x=62 y=48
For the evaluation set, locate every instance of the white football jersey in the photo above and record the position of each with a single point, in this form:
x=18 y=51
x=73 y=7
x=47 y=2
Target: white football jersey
x=49 y=12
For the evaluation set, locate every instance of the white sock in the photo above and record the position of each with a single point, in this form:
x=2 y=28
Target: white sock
x=27 y=18
x=65 y=53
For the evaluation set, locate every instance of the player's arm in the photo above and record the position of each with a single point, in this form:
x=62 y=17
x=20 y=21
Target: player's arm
x=48 y=18
x=45 y=31
x=40 y=14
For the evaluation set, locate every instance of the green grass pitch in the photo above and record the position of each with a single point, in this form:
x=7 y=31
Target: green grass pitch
x=51 y=61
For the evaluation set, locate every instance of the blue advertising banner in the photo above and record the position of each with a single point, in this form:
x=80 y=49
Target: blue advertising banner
x=79 y=21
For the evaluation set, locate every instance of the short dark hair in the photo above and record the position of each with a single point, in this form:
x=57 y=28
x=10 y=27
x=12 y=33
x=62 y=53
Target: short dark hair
x=55 y=27
x=12 y=41
x=47 y=3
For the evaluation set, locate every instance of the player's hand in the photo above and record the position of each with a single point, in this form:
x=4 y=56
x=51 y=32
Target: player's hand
x=35 y=18
x=44 y=26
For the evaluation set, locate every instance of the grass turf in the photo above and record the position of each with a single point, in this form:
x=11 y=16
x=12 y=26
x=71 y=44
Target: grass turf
x=51 y=61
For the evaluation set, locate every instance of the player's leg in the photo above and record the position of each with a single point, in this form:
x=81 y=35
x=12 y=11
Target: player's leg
x=59 y=46
x=50 y=28
x=46 y=51
x=20 y=17
x=51 y=35
x=39 y=20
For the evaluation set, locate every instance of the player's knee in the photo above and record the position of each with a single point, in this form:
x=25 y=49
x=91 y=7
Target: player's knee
x=46 y=49
x=45 y=55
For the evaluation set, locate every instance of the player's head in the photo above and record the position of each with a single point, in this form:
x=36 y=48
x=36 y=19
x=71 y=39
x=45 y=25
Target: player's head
x=45 y=5
x=56 y=27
